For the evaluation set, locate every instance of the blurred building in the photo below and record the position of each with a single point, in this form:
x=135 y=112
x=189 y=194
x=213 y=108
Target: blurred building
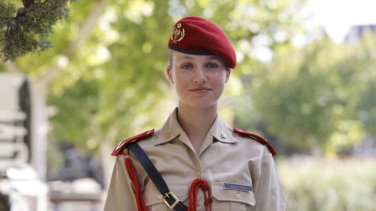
x=77 y=165
x=20 y=186
x=366 y=148
x=358 y=31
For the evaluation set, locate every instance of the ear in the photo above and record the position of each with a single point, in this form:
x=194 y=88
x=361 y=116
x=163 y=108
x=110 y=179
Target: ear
x=169 y=74
x=228 y=73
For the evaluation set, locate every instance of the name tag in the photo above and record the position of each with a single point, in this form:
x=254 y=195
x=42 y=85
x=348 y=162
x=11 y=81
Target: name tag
x=232 y=186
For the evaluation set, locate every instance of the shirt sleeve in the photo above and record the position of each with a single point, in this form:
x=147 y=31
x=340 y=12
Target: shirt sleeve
x=120 y=194
x=268 y=190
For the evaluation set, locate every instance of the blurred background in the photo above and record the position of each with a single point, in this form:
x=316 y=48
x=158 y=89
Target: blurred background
x=70 y=90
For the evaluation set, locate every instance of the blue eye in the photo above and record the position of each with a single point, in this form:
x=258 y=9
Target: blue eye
x=186 y=66
x=212 y=65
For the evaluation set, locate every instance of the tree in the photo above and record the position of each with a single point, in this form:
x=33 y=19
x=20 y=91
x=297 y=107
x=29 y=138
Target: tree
x=317 y=99
x=26 y=29
x=43 y=70
x=119 y=89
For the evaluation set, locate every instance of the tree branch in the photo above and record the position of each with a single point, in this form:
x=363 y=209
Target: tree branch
x=12 y=67
x=84 y=32
x=87 y=26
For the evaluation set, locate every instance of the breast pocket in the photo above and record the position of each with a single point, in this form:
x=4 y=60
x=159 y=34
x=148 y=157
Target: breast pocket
x=154 y=199
x=239 y=197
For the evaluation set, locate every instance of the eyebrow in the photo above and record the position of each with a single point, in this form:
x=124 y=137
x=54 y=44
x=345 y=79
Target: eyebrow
x=185 y=57
x=210 y=57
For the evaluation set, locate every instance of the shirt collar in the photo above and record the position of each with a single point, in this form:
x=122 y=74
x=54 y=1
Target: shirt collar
x=172 y=129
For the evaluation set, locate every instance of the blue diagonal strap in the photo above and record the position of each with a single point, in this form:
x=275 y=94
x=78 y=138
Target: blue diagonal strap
x=169 y=198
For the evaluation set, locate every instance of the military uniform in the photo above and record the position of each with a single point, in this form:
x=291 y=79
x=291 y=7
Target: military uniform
x=240 y=171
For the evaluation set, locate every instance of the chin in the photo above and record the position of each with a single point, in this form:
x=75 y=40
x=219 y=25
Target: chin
x=205 y=106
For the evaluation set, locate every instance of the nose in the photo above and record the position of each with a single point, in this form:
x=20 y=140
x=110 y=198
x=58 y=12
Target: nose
x=199 y=76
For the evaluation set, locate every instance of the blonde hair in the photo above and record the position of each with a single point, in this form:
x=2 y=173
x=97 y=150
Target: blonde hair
x=170 y=59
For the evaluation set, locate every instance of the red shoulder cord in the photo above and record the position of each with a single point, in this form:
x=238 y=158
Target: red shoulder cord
x=199 y=183
x=193 y=190
x=133 y=175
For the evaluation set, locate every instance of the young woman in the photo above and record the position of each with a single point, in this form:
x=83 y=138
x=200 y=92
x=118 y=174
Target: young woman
x=201 y=163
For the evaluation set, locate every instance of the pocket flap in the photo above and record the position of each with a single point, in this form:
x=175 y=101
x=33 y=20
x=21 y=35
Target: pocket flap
x=223 y=191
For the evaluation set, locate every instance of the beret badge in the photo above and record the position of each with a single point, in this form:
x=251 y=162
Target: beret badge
x=177 y=33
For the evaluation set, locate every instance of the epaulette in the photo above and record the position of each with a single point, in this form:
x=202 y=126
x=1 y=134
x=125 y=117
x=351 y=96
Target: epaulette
x=120 y=147
x=256 y=138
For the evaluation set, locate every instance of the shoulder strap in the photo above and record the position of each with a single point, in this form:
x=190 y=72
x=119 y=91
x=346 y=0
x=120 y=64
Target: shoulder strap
x=169 y=198
x=120 y=147
x=256 y=138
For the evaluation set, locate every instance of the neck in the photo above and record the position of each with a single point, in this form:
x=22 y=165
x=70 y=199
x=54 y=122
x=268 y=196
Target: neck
x=196 y=123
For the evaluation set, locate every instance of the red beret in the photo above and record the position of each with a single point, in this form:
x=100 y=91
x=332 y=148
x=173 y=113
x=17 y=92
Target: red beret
x=195 y=35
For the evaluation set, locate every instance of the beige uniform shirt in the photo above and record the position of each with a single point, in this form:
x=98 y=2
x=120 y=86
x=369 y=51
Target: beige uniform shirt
x=240 y=171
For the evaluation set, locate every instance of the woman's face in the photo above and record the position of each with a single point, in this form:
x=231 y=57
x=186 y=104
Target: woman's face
x=199 y=80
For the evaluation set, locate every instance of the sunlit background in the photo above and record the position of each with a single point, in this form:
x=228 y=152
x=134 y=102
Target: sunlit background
x=305 y=80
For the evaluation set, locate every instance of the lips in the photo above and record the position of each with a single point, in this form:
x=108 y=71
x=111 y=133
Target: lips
x=200 y=90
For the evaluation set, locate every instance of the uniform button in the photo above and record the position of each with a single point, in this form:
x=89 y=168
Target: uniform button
x=168 y=135
x=238 y=195
x=199 y=207
x=198 y=173
x=160 y=196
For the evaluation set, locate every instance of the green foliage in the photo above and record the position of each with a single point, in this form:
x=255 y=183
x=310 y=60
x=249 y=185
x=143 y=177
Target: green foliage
x=127 y=82
x=85 y=95
x=329 y=185
x=364 y=82
x=318 y=98
x=26 y=30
